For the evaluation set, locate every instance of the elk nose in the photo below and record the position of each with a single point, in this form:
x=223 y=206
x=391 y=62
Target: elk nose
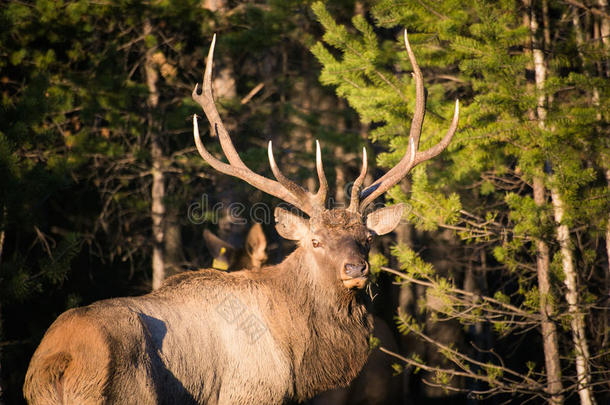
x=356 y=270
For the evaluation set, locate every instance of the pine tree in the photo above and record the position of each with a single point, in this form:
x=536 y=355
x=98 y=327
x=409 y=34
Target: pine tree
x=486 y=191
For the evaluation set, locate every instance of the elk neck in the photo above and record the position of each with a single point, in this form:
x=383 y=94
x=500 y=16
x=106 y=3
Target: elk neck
x=329 y=333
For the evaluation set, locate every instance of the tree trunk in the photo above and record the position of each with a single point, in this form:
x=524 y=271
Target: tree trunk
x=604 y=71
x=577 y=323
x=158 y=181
x=606 y=329
x=548 y=328
x=549 y=331
x=604 y=28
x=577 y=318
x=158 y=214
x=605 y=38
x=475 y=281
x=173 y=254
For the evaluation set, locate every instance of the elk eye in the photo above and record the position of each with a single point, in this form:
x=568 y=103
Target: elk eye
x=316 y=243
x=369 y=238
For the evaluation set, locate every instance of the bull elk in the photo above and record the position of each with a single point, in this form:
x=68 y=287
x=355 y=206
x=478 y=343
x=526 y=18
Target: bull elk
x=266 y=336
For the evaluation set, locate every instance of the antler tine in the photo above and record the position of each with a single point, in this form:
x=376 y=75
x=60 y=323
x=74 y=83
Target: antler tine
x=420 y=98
x=383 y=184
x=299 y=192
x=418 y=115
x=206 y=101
x=412 y=156
x=355 y=197
x=439 y=147
x=323 y=190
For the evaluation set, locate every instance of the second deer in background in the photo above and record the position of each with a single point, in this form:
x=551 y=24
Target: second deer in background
x=226 y=256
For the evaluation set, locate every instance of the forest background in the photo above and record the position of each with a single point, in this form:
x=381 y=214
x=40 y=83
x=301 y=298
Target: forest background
x=496 y=285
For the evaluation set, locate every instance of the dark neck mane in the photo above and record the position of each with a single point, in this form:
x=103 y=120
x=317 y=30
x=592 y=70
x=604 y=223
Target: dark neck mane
x=329 y=334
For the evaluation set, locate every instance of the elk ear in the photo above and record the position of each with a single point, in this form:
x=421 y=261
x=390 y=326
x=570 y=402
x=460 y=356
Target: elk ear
x=222 y=252
x=385 y=219
x=290 y=226
x=256 y=242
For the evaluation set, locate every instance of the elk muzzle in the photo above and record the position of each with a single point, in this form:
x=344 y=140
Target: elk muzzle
x=355 y=275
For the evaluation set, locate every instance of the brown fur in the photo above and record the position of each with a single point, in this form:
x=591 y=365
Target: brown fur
x=60 y=365
x=337 y=219
x=175 y=345
x=375 y=384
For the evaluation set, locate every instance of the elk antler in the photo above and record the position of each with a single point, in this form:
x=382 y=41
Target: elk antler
x=412 y=155
x=283 y=188
x=355 y=197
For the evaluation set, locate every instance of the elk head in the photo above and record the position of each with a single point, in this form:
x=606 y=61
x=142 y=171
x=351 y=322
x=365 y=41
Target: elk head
x=228 y=257
x=337 y=239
